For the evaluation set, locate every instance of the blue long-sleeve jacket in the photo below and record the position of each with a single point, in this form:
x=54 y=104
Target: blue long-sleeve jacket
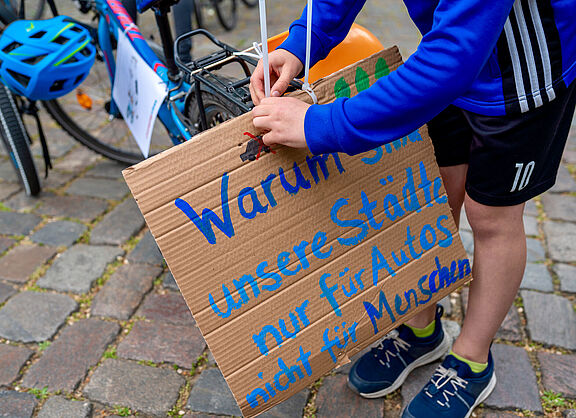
x=489 y=57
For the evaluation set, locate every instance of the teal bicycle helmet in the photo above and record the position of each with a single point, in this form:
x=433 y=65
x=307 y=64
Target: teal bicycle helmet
x=45 y=59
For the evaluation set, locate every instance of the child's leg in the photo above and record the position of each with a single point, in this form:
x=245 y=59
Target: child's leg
x=499 y=261
x=454 y=178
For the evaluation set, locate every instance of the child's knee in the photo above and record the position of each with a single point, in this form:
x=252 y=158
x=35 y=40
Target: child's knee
x=488 y=221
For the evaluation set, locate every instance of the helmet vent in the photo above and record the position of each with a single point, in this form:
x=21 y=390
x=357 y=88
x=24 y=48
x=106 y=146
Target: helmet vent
x=60 y=40
x=71 y=60
x=20 y=78
x=57 y=85
x=38 y=34
x=76 y=29
x=34 y=60
x=79 y=78
x=11 y=47
x=85 y=51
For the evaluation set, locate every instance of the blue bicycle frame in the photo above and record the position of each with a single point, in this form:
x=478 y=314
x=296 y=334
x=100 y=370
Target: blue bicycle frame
x=115 y=18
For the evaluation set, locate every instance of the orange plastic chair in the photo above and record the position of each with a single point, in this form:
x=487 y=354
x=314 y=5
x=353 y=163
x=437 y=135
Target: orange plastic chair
x=358 y=44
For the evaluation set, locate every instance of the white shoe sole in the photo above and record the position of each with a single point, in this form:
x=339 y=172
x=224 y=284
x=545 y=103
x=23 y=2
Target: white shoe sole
x=430 y=357
x=484 y=394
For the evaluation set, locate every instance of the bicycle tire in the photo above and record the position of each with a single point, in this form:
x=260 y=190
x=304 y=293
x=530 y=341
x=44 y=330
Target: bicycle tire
x=250 y=3
x=16 y=141
x=110 y=138
x=197 y=8
x=226 y=13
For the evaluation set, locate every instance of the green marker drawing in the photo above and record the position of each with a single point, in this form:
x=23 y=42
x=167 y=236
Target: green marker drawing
x=381 y=68
x=362 y=80
x=342 y=89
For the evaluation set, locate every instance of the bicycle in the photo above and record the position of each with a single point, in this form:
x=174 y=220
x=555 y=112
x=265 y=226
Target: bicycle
x=201 y=93
x=195 y=101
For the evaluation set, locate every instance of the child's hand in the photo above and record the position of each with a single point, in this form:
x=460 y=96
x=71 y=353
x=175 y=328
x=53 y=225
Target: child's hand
x=284 y=66
x=283 y=118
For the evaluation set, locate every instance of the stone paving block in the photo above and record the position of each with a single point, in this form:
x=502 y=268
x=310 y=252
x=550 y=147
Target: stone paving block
x=498 y=414
x=567 y=275
x=59 y=407
x=535 y=251
x=170 y=307
x=558 y=373
x=59 y=233
x=569 y=156
x=65 y=363
x=537 y=277
x=531 y=209
x=56 y=180
x=168 y=282
x=84 y=208
x=417 y=380
x=8 y=189
x=551 y=319
x=531 y=226
x=467 y=241
x=21 y=261
x=564 y=181
x=561 y=238
x=560 y=207
x=517 y=386
x=145 y=389
x=57 y=149
x=163 y=343
x=78 y=267
x=7 y=172
x=119 y=225
x=569 y=413
x=22 y=202
x=146 y=251
x=291 y=408
x=6 y=243
x=102 y=188
x=334 y=399
x=12 y=223
x=511 y=327
x=211 y=394
x=124 y=290
x=445 y=302
x=17 y=404
x=6 y=291
x=107 y=169
x=12 y=359
x=34 y=317
x=78 y=159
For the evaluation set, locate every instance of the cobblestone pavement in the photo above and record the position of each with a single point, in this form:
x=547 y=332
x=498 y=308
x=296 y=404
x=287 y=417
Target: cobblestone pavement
x=92 y=324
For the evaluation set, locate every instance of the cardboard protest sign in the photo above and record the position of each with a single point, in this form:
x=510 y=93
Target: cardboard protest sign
x=292 y=263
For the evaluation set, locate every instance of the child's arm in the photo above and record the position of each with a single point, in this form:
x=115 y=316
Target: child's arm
x=448 y=60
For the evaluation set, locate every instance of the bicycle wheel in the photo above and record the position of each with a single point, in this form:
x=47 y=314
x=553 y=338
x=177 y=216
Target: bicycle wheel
x=16 y=141
x=226 y=12
x=197 y=7
x=250 y=3
x=93 y=127
x=217 y=110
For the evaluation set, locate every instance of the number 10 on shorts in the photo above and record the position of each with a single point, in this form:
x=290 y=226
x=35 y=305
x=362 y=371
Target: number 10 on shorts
x=523 y=172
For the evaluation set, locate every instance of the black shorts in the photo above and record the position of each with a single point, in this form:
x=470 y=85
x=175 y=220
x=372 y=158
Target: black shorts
x=510 y=159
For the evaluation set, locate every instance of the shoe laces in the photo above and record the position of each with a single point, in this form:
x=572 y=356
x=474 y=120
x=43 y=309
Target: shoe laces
x=390 y=347
x=445 y=384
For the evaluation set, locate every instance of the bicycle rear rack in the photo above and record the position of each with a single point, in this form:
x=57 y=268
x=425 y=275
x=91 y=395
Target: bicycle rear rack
x=199 y=73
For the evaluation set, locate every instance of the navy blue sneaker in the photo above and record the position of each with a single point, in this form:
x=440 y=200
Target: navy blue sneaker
x=453 y=391
x=383 y=370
